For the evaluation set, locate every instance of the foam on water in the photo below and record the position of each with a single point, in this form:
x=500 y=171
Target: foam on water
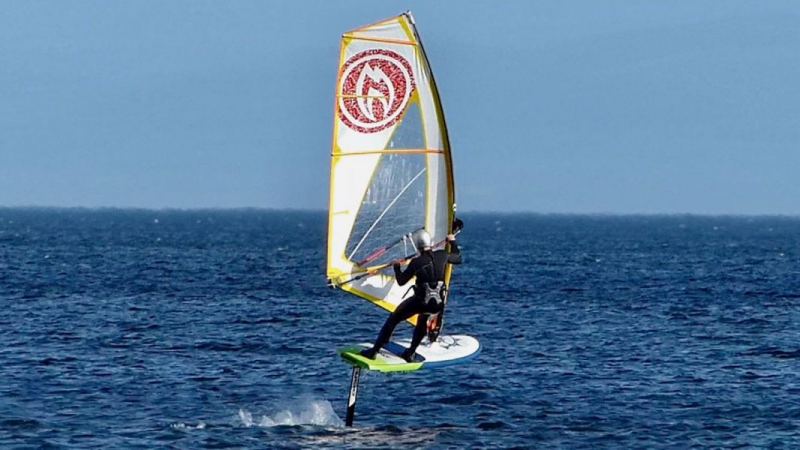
x=303 y=412
x=186 y=427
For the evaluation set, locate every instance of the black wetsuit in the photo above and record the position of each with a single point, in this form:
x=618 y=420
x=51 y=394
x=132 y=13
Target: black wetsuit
x=423 y=267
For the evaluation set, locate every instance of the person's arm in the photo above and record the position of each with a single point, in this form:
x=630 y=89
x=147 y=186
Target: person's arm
x=454 y=255
x=404 y=275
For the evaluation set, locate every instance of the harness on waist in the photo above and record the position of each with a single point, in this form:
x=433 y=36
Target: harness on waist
x=434 y=293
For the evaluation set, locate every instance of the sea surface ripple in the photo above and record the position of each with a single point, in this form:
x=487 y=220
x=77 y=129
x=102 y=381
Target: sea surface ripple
x=215 y=329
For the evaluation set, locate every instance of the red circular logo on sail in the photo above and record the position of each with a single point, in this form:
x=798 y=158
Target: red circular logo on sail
x=375 y=87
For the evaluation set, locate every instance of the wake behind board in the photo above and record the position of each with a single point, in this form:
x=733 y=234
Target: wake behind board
x=446 y=351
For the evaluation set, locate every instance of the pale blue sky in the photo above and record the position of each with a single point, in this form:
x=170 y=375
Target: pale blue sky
x=597 y=106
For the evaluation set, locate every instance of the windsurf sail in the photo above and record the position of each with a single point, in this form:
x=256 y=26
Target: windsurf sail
x=391 y=168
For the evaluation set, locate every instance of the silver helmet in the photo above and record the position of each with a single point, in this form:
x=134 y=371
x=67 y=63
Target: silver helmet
x=421 y=239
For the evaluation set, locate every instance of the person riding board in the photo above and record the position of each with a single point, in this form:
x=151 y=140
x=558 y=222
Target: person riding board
x=429 y=289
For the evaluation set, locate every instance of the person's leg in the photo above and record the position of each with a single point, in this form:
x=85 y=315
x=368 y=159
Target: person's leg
x=404 y=310
x=421 y=329
x=419 y=332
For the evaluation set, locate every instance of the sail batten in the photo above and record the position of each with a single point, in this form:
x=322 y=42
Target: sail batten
x=391 y=170
x=399 y=151
x=386 y=41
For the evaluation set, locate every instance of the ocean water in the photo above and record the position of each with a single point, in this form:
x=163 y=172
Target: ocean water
x=215 y=329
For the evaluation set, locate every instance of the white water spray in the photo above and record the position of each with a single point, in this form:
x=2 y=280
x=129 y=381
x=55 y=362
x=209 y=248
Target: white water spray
x=303 y=412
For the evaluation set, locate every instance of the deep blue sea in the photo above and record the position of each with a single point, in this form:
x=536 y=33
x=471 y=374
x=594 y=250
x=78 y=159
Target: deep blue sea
x=215 y=329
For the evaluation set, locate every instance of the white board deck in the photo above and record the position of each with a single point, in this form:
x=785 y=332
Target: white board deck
x=446 y=351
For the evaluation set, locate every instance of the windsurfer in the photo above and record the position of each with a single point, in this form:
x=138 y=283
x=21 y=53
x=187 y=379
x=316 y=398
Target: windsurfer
x=429 y=289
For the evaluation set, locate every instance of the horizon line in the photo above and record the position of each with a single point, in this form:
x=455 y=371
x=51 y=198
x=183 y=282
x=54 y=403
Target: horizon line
x=324 y=211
